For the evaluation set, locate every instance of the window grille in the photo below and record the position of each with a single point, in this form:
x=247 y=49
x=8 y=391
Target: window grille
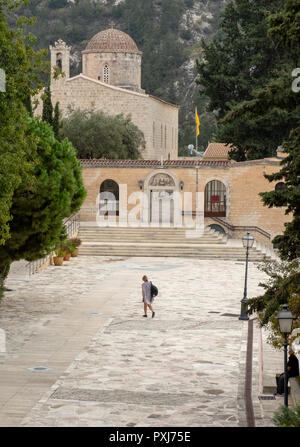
x=106 y=74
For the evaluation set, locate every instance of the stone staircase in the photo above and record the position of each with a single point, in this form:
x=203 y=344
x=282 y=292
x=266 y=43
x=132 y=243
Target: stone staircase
x=160 y=242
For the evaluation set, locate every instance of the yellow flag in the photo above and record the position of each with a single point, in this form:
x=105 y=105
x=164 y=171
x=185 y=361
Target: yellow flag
x=197 y=121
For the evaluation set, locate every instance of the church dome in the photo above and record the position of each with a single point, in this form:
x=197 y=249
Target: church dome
x=112 y=40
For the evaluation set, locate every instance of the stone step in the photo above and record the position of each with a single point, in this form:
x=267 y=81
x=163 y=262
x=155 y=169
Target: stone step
x=181 y=245
x=159 y=242
x=150 y=236
x=154 y=240
x=142 y=230
x=174 y=255
x=167 y=251
x=136 y=235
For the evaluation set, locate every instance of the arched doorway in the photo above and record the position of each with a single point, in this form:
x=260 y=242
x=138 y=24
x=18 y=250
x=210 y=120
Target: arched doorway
x=215 y=199
x=109 y=198
x=161 y=188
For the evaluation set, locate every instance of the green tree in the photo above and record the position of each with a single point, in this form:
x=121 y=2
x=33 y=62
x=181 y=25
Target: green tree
x=282 y=286
x=241 y=59
x=96 y=135
x=56 y=123
x=51 y=191
x=285 y=27
x=285 y=284
x=40 y=178
x=21 y=64
x=278 y=93
x=47 y=113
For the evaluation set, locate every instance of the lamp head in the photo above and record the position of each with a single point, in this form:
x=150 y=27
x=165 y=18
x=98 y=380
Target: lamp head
x=285 y=319
x=248 y=240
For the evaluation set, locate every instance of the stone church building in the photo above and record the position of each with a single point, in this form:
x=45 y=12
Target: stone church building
x=228 y=191
x=111 y=81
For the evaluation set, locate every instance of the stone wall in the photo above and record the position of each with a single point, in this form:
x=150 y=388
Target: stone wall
x=157 y=119
x=124 y=69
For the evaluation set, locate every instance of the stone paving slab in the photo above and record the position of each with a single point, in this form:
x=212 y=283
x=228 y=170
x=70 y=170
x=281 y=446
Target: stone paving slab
x=112 y=367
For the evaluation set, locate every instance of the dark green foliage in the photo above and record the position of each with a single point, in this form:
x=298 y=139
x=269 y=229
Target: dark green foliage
x=52 y=191
x=285 y=26
x=47 y=114
x=40 y=178
x=282 y=286
x=96 y=135
x=56 y=124
x=21 y=64
x=277 y=94
x=287 y=417
x=241 y=59
x=285 y=281
x=289 y=243
x=57 y=3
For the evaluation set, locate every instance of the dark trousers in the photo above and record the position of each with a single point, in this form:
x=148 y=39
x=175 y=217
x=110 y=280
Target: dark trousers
x=280 y=382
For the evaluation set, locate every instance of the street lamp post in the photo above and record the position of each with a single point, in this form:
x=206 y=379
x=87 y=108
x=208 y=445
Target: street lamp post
x=285 y=319
x=248 y=242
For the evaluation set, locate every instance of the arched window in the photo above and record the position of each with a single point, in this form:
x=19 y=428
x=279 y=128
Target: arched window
x=106 y=73
x=59 y=61
x=165 y=136
x=109 y=197
x=215 y=199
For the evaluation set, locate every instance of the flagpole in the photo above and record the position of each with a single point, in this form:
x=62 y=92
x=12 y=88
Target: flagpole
x=196 y=130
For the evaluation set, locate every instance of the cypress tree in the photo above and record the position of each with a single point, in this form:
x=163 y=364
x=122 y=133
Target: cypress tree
x=56 y=121
x=241 y=59
x=47 y=114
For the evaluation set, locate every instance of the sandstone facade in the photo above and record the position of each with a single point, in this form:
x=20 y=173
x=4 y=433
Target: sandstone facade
x=242 y=184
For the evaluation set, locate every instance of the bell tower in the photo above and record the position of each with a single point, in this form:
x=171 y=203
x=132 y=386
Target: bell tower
x=60 y=57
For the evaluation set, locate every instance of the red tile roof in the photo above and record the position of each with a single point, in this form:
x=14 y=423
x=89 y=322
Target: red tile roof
x=187 y=163
x=217 y=151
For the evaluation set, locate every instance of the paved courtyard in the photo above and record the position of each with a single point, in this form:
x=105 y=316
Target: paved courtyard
x=79 y=352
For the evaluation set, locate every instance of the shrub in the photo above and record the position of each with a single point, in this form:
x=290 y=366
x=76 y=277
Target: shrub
x=75 y=241
x=285 y=417
x=61 y=252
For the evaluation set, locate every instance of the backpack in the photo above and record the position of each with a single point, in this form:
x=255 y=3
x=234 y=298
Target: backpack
x=154 y=290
